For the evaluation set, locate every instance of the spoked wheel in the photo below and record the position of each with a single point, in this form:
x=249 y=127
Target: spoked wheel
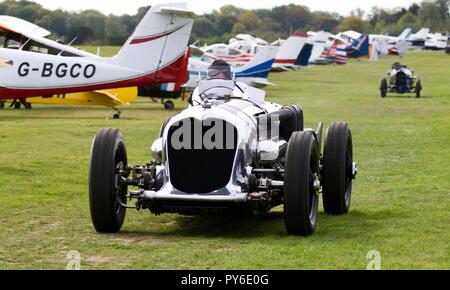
x=383 y=88
x=301 y=199
x=338 y=169
x=106 y=196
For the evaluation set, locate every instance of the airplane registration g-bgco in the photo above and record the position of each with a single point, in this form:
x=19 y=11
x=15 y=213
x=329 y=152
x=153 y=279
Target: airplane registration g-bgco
x=33 y=66
x=61 y=70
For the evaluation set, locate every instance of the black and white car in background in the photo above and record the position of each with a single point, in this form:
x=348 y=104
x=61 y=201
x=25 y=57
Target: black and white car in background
x=230 y=151
x=401 y=80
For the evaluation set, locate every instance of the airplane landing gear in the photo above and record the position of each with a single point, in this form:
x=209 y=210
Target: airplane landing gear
x=169 y=105
x=17 y=103
x=2 y=105
x=117 y=114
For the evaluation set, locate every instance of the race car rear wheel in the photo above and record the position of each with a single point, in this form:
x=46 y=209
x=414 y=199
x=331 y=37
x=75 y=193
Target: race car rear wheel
x=293 y=124
x=418 y=88
x=338 y=171
x=383 y=88
x=107 y=156
x=301 y=199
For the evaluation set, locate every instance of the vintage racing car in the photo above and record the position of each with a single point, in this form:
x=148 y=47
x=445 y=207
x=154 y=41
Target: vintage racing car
x=401 y=80
x=229 y=152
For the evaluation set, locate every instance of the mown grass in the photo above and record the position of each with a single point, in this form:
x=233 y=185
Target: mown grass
x=401 y=204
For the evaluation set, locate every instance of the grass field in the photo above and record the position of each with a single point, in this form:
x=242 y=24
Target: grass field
x=401 y=200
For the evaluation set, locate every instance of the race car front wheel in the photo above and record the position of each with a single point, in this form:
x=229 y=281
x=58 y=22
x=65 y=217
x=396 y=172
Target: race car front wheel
x=383 y=88
x=338 y=169
x=106 y=198
x=418 y=89
x=301 y=199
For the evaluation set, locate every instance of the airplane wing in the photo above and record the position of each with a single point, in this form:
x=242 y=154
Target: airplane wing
x=109 y=98
x=262 y=83
x=20 y=26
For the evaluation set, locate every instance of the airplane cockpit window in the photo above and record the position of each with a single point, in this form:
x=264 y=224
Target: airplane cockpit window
x=2 y=41
x=12 y=44
x=34 y=48
x=234 y=52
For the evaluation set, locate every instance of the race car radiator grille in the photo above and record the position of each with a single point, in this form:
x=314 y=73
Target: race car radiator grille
x=201 y=155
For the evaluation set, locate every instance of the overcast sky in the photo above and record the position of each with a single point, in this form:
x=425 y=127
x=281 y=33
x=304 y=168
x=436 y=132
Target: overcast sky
x=119 y=7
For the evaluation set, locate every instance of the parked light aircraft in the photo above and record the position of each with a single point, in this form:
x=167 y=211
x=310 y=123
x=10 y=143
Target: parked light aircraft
x=418 y=39
x=244 y=47
x=33 y=66
x=254 y=73
x=436 y=41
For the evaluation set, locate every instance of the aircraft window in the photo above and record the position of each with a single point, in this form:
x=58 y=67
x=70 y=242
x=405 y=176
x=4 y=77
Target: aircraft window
x=34 y=48
x=234 y=52
x=43 y=50
x=12 y=44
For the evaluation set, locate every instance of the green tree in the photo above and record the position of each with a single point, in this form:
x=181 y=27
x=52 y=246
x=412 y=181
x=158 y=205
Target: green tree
x=354 y=23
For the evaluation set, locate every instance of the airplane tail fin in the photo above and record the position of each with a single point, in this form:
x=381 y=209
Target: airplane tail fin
x=422 y=34
x=319 y=44
x=401 y=47
x=405 y=34
x=305 y=55
x=360 y=47
x=159 y=42
x=289 y=51
x=260 y=65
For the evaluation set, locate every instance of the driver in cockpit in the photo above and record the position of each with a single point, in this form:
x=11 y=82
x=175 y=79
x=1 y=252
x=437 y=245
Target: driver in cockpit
x=220 y=69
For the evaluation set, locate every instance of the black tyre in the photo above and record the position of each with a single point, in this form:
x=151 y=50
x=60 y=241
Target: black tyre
x=294 y=124
x=107 y=155
x=2 y=105
x=418 y=89
x=169 y=105
x=301 y=199
x=383 y=88
x=338 y=169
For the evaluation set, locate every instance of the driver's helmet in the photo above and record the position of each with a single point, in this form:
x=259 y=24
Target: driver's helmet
x=220 y=69
x=397 y=66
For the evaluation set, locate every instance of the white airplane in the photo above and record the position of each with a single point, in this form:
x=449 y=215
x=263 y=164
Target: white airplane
x=226 y=52
x=244 y=47
x=391 y=40
x=320 y=42
x=349 y=36
x=436 y=41
x=418 y=39
x=248 y=38
x=391 y=45
x=254 y=73
x=34 y=66
x=289 y=52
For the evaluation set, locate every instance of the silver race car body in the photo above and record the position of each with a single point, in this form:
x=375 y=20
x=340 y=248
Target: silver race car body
x=229 y=151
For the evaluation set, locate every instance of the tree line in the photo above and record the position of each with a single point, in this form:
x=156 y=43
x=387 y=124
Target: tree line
x=93 y=27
